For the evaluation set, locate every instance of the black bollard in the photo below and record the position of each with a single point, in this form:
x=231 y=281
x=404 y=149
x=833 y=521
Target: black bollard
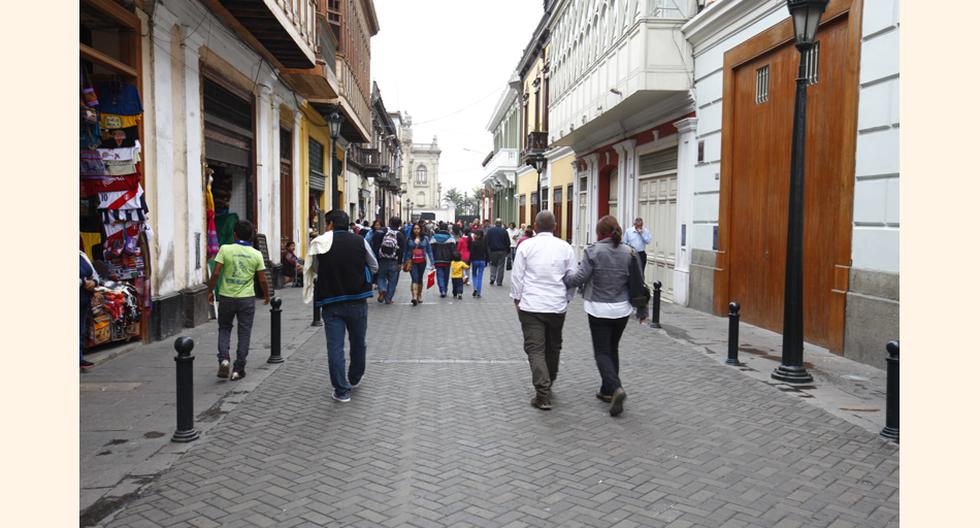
x=891 y=400
x=655 y=318
x=276 y=311
x=185 y=391
x=733 y=309
x=316 y=310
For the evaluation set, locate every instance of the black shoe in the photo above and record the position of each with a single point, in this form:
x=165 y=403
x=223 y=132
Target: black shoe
x=474 y=294
x=237 y=374
x=414 y=302
x=442 y=295
x=616 y=405
x=85 y=365
x=541 y=403
x=224 y=366
x=604 y=397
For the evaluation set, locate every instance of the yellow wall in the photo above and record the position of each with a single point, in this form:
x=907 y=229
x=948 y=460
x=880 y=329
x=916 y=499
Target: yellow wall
x=526 y=184
x=534 y=73
x=560 y=175
x=313 y=126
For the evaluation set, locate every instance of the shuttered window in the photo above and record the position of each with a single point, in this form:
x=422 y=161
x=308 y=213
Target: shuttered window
x=661 y=161
x=762 y=85
x=317 y=179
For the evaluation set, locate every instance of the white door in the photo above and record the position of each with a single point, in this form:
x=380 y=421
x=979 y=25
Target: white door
x=583 y=208
x=614 y=194
x=658 y=208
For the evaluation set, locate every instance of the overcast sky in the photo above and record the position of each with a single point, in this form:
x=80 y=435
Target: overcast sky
x=446 y=62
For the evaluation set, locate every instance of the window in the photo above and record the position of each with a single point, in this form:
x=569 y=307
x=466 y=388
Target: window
x=317 y=179
x=811 y=64
x=420 y=199
x=544 y=199
x=421 y=175
x=762 y=84
x=701 y=151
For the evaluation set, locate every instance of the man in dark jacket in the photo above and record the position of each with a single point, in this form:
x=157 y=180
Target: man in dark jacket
x=498 y=242
x=443 y=246
x=389 y=248
x=338 y=278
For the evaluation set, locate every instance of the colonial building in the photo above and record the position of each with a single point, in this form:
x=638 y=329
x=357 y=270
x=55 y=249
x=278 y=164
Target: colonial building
x=745 y=71
x=619 y=96
x=379 y=189
x=420 y=169
x=500 y=166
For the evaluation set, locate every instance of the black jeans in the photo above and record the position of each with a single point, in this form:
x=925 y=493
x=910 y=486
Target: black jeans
x=643 y=262
x=606 y=334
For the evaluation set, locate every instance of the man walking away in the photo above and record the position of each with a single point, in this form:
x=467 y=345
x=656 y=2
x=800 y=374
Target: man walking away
x=638 y=238
x=234 y=273
x=341 y=263
x=390 y=251
x=498 y=242
x=542 y=299
x=443 y=246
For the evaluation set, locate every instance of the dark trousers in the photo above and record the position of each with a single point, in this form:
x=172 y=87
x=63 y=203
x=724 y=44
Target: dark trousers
x=229 y=309
x=83 y=308
x=350 y=319
x=418 y=272
x=457 y=286
x=643 y=262
x=498 y=261
x=542 y=344
x=606 y=334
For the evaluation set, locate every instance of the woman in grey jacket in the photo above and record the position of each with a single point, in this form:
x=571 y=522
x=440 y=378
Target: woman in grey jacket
x=605 y=273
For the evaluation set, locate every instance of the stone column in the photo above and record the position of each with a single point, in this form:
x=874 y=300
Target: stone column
x=299 y=203
x=264 y=162
x=592 y=197
x=274 y=236
x=162 y=158
x=626 y=193
x=687 y=159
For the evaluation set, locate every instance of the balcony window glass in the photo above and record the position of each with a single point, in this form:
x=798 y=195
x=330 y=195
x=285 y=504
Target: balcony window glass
x=421 y=175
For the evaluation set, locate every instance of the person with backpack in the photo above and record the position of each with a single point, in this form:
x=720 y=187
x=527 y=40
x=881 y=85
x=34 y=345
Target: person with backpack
x=443 y=245
x=479 y=255
x=389 y=248
x=418 y=257
x=609 y=271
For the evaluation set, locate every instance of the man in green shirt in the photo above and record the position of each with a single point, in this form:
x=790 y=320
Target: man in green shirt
x=234 y=273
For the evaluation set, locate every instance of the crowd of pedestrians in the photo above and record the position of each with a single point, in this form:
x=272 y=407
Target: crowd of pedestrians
x=349 y=264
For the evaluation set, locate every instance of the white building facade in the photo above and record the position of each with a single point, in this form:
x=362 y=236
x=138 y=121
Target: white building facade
x=188 y=54
x=852 y=189
x=620 y=96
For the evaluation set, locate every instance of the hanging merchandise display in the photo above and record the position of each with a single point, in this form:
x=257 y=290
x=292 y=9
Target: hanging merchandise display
x=112 y=196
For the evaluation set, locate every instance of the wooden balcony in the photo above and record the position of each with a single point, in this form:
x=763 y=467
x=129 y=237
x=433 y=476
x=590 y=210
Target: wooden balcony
x=319 y=82
x=351 y=102
x=285 y=28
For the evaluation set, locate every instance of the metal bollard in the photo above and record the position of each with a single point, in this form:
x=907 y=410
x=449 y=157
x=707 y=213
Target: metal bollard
x=316 y=310
x=655 y=318
x=185 y=391
x=733 y=309
x=276 y=311
x=891 y=400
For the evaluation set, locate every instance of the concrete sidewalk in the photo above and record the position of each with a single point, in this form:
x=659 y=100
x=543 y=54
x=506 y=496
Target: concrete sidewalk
x=845 y=388
x=128 y=402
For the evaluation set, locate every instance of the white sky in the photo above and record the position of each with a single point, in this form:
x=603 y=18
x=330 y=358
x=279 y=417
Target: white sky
x=446 y=62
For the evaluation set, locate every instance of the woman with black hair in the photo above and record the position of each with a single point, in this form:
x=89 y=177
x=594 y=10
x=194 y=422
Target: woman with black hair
x=605 y=272
x=418 y=256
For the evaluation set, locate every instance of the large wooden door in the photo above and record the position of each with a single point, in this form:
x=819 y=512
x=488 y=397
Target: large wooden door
x=762 y=99
x=285 y=186
x=657 y=201
x=556 y=205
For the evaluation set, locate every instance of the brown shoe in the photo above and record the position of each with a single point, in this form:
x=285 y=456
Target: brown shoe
x=604 y=397
x=616 y=405
x=541 y=403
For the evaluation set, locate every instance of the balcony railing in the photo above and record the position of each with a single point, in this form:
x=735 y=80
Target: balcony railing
x=356 y=101
x=501 y=167
x=537 y=142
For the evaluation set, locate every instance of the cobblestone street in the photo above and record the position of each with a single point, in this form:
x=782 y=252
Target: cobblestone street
x=440 y=433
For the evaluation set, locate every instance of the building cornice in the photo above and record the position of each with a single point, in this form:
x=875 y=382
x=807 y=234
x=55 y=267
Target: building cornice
x=507 y=98
x=726 y=17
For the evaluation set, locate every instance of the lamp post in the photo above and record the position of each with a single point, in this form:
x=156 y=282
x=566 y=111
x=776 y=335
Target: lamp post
x=334 y=121
x=384 y=192
x=806 y=18
x=539 y=162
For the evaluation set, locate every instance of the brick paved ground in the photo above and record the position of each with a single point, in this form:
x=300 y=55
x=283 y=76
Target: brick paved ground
x=440 y=433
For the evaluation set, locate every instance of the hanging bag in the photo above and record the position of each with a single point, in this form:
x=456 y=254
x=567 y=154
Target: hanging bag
x=431 y=281
x=639 y=292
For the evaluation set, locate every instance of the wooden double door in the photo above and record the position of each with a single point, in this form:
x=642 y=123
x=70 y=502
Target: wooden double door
x=758 y=130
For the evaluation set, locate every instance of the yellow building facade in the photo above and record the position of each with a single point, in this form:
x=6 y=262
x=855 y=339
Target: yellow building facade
x=314 y=127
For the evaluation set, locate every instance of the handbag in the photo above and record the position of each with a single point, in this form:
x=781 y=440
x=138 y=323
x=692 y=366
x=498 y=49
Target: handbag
x=431 y=281
x=407 y=267
x=639 y=292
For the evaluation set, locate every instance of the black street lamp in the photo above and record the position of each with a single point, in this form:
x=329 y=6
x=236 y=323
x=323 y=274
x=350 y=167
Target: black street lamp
x=384 y=205
x=539 y=162
x=334 y=121
x=806 y=18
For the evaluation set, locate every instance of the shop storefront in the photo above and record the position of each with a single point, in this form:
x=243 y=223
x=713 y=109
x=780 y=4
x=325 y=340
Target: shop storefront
x=113 y=228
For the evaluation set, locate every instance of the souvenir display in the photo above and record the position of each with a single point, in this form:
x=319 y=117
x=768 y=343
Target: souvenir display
x=110 y=177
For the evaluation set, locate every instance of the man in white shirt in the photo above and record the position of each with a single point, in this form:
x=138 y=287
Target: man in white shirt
x=637 y=237
x=542 y=299
x=514 y=234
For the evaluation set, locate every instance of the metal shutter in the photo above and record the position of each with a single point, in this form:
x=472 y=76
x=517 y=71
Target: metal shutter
x=660 y=161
